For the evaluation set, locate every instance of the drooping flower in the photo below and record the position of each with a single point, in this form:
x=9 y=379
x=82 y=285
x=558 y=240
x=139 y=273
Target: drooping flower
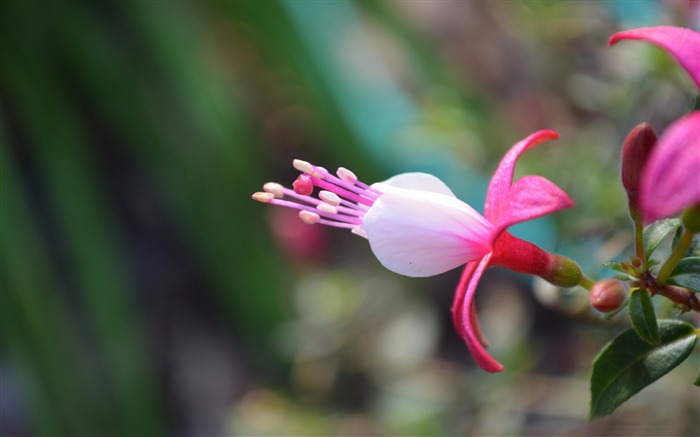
x=670 y=180
x=417 y=227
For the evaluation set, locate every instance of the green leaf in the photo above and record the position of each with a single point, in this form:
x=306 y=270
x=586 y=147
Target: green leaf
x=621 y=267
x=628 y=364
x=694 y=249
x=654 y=233
x=687 y=266
x=687 y=273
x=691 y=282
x=649 y=264
x=676 y=238
x=643 y=316
x=697 y=380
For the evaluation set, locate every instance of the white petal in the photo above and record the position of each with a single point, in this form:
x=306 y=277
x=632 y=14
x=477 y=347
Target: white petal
x=415 y=181
x=421 y=233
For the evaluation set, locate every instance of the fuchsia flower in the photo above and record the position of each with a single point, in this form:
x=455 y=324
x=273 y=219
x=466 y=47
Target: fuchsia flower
x=670 y=179
x=417 y=227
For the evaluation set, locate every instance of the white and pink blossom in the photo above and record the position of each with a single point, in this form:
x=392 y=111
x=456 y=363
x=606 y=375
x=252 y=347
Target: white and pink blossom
x=417 y=227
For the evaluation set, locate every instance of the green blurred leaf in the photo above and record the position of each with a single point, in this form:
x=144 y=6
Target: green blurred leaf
x=643 y=317
x=628 y=364
x=676 y=238
x=65 y=157
x=697 y=380
x=687 y=274
x=656 y=232
x=649 y=264
x=618 y=267
x=36 y=328
x=694 y=249
x=691 y=282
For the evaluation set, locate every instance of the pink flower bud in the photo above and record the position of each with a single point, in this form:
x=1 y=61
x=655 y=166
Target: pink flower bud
x=635 y=152
x=609 y=294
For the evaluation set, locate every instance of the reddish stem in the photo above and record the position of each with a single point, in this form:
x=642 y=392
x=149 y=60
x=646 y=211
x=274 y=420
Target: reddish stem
x=682 y=296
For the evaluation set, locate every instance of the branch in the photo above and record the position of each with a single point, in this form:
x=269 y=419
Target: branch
x=682 y=296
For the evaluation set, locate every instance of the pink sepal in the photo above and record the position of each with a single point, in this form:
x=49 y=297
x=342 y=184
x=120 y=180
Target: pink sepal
x=470 y=328
x=681 y=43
x=503 y=176
x=530 y=197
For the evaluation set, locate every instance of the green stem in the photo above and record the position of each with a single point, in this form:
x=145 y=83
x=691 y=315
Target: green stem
x=586 y=282
x=675 y=257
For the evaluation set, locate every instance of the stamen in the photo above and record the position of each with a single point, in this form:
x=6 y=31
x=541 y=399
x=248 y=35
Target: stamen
x=346 y=175
x=351 y=209
x=350 y=219
x=320 y=172
x=330 y=209
x=350 y=183
x=349 y=177
x=345 y=193
x=276 y=189
x=329 y=197
x=308 y=217
x=303 y=166
x=341 y=225
x=342 y=200
x=263 y=197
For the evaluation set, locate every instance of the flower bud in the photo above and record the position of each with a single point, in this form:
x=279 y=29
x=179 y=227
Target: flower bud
x=609 y=294
x=691 y=219
x=635 y=152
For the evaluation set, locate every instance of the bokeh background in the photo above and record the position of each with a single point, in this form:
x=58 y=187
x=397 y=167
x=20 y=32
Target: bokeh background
x=145 y=293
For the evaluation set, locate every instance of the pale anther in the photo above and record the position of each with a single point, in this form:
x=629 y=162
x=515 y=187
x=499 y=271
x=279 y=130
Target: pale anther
x=263 y=197
x=329 y=197
x=303 y=166
x=330 y=209
x=321 y=173
x=346 y=175
x=274 y=188
x=308 y=217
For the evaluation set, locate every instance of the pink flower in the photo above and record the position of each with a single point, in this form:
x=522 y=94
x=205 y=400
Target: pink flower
x=670 y=179
x=417 y=227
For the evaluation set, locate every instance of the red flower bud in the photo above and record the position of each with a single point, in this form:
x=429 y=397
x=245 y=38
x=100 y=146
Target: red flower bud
x=609 y=294
x=635 y=152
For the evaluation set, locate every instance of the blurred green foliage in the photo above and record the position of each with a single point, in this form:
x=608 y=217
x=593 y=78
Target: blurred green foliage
x=142 y=291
